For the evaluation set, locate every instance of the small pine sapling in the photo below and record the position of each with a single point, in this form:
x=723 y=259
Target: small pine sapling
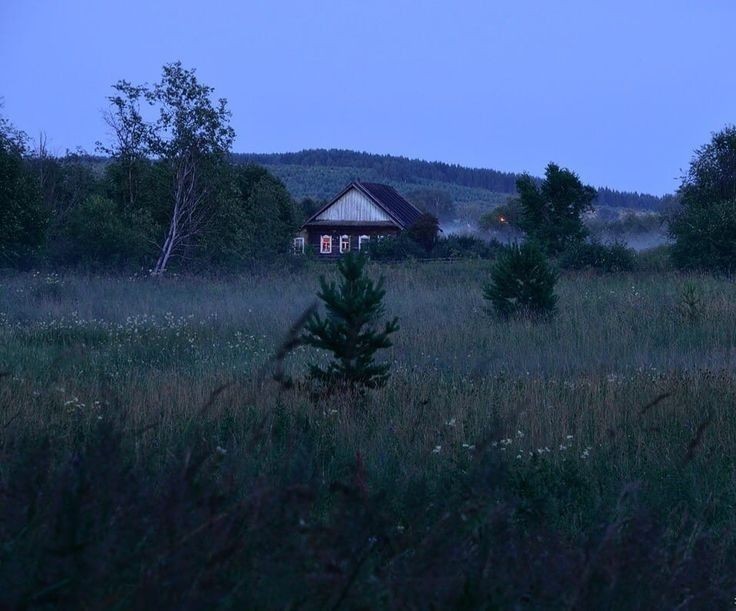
x=349 y=328
x=522 y=283
x=691 y=303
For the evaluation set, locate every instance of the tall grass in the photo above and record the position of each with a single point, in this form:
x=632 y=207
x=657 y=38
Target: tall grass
x=146 y=459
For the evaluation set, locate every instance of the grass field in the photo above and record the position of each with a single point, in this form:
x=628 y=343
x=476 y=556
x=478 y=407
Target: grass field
x=147 y=458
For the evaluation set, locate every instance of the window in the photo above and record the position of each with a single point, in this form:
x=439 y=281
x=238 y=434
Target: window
x=344 y=243
x=364 y=239
x=298 y=246
x=325 y=245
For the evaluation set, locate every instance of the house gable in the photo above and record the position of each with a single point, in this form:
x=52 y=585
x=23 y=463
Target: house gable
x=353 y=206
x=359 y=213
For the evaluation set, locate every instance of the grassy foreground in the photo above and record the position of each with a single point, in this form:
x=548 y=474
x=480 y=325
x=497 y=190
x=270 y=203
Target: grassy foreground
x=147 y=459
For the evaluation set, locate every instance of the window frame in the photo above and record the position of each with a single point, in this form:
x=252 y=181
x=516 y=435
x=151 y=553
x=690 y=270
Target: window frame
x=322 y=249
x=299 y=245
x=344 y=238
x=362 y=239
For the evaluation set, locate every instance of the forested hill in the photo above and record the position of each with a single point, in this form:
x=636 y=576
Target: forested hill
x=320 y=173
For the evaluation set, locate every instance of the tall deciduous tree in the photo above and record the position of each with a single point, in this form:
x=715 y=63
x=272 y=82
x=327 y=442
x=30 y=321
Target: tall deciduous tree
x=23 y=220
x=131 y=134
x=705 y=228
x=552 y=212
x=190 y=134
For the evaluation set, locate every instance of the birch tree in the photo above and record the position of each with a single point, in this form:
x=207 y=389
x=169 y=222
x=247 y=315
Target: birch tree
x=129 y=131
x=704 y=230
x=189 y=132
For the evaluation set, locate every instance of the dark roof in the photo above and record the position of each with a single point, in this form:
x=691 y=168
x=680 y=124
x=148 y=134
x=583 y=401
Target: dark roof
x=403 y=212
x=395 y=205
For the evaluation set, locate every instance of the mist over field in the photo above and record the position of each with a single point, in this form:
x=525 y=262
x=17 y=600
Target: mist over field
x=639 y=239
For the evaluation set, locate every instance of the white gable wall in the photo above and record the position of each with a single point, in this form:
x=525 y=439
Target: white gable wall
x=353 y=206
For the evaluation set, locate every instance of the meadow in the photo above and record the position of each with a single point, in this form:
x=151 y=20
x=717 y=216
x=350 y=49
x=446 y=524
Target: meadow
x=147 y=456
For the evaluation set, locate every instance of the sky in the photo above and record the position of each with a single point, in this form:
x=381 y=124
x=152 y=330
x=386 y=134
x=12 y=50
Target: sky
x=622 y=92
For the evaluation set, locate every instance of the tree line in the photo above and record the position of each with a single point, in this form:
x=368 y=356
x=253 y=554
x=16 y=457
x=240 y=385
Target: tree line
x=165 y=194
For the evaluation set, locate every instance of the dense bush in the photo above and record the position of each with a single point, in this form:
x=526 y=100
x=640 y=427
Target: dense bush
x=454 y=246
x=522 y=283
x=395 y=248
x=457 y=246
x=658 y=259
x=425 y=231
x=254 y=220
x=615 y=257
x=142 y=185
x=96 y=234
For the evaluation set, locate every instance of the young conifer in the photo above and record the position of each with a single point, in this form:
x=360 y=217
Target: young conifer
x=349 y=329
x=522 y=282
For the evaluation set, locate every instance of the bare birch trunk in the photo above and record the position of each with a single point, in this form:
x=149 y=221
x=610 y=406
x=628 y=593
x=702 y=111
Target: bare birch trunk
x=187 y=216
x=167 y=248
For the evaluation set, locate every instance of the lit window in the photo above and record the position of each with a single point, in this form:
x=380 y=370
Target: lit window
x=364 y=239
x=325 y=245
x=344 y=243
x=299 y=246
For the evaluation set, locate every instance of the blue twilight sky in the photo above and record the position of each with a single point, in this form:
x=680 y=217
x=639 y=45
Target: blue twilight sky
x=620 y=91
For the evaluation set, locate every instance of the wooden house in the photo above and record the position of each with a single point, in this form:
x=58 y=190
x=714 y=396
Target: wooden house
x=360 y=212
